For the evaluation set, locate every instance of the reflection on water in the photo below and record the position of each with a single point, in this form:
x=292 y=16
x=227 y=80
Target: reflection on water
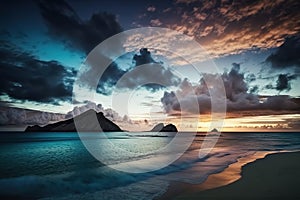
x=37 y=165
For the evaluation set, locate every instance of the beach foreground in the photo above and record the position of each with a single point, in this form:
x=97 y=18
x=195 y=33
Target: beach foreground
x=277 y=176
x=51 y=165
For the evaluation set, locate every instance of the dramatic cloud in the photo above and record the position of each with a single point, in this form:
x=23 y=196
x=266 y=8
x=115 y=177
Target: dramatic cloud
x=239 y=99
x=65 y=24
x=109 y=79
x=152 y=77
x=26 y=78
x=287 y=55
x=144 y=57
x=282 y=82
x=232 y=27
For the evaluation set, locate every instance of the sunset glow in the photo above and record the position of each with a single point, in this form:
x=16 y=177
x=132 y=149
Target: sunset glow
x=252 y=47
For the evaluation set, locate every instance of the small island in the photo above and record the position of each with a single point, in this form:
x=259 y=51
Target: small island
x=214 y=131
x=162 y=128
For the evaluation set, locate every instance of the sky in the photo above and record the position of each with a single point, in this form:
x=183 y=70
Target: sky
x=250 y=47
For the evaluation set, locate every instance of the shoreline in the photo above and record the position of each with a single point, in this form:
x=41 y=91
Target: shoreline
x=235 y=174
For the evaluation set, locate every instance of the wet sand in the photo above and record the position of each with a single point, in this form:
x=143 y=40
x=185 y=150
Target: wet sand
x=277 y=176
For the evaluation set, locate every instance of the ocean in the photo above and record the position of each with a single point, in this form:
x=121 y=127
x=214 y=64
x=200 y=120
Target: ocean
x=58 y=166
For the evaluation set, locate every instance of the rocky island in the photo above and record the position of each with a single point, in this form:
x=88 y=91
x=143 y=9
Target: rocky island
x=162 y=128
x=84 y=122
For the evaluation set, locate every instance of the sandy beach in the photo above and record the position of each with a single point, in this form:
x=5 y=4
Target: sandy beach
x=276 y=176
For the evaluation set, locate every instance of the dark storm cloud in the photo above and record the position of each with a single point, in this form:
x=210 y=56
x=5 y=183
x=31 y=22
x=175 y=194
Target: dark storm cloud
x=144 y=57
x=234 y=82
x=238 y=98
x=24 y=77
x=109 y=79
x=152 y=77
x=283 y=82
x=65 y=24
x=287 y=55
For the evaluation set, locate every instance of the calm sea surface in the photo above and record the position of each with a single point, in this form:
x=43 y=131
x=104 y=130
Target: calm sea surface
x=58 y=166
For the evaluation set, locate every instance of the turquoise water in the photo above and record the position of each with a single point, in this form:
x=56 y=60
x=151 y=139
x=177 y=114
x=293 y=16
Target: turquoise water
x=57 y=165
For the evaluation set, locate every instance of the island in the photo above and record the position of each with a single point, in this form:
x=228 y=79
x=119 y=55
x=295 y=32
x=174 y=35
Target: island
x=84 y=122
x=162 y=128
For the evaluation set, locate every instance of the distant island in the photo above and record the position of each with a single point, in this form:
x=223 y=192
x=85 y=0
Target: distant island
x=214 y=131
x=162 y=128
x=86 y=121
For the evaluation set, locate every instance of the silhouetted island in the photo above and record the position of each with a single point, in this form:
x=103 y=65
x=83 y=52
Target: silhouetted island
x=161 y=128
x=214 y=130
x=84 y=122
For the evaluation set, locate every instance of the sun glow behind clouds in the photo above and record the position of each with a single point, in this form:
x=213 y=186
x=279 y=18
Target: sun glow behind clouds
x=268 y=123
x=286 y=122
